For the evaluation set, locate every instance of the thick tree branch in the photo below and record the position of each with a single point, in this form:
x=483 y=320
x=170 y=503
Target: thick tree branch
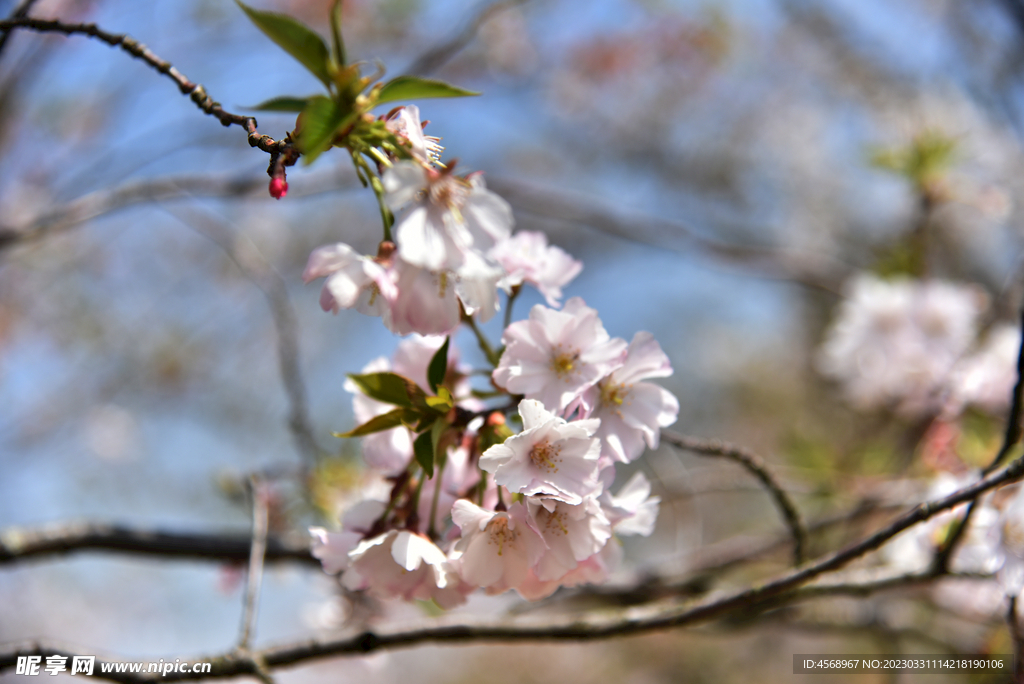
x=195 y=91
x=755 y=466
x=20 y=544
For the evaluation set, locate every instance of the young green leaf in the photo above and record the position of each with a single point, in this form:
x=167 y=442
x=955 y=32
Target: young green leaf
x=438 y=366
x=385 y=421
x=317 y=126
x=293 y=37
x=416 y=88
x=390 y=388
x=338 y=43
x=423 y=449
x=436 y=431
x=285 y=103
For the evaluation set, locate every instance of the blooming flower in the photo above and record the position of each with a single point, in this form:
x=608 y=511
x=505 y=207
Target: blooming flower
x=986 y=379
x=445 y=217
x=405 y=564
x=332 y=548
x=633 y=510
x=555 y=355
x=426 y=302
x=895 y=343
x=527 y=257
x=572 y=533
x=550 y=457
x=496 y=549
x=353 y=280
x=406 y=124
x=633 y=412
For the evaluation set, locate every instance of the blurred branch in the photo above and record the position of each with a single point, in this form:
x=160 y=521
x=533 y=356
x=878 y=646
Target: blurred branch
x=260 y=519
x=437 y=56
x=165 y=189
x=195 y=91
x=20 y=544
x=256 y=268
x=812 y=271
x=755 y=466
x=1013 y=624
x=22 y=10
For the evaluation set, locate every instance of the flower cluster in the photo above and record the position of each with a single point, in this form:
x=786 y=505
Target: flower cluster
x=914 y=346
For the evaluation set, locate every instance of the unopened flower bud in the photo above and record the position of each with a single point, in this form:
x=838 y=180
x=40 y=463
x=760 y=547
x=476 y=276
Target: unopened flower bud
x=278 y=188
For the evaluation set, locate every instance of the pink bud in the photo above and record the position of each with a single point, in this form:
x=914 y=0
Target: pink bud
x=278 y=188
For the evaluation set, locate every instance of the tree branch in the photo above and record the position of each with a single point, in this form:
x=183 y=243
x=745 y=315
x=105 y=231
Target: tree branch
x=260 y=519
x=195 y=91
x=19 y=544
x=437 y=56
x=811 y=271
x=755 y=466
x=22 y=10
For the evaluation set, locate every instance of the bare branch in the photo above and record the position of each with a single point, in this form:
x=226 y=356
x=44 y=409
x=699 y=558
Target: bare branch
x=254 y=580
x=257 y=269
x=1013 y=624
x=22 y=10
x=437 y=56
x=19 y=544
x=196 y=92
x=754 y=465
x=167 y=189
x=813 y=271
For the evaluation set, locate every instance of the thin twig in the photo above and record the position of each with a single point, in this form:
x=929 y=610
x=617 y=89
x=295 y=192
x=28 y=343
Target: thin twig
x=812 y=271
x=21 y=544
x=22 y=10
x=437 y=56
x=166 y=189
x=256 y=268
x=755 y=466
x=1013 y=624
x=195 y=91
x=254 y=580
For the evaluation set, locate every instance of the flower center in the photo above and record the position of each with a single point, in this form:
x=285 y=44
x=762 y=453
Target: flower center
x=546 y=456
x=442 y=283
x=501 y=534
x=565 y=363
x=554 y=523
x=613 y=395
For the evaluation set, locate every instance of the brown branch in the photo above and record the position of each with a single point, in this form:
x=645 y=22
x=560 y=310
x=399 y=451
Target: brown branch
x=1013 y=624
x=755 y=466
x=437 y=56
x=20 y=544
x=812 y=271
x=22 y=10
x=195 y=91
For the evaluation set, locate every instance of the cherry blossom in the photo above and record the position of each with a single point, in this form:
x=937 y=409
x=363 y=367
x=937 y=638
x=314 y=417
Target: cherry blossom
x=556 y=355
x=426 y=302
x=445 y=216
x=895 y=343
x=497 y=549
x=986 y=378
x=633 y=510
x=353 y=280
x=633 y=412
x=572 y=533
x=550 y=457
x=527 y=257
x=332 y=548
x=406 y=124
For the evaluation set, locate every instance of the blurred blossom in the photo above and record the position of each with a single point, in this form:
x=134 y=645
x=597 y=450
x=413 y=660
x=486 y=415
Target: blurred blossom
x=111 y=432
x=527 y=257
x=986 y=378
x=895 y=343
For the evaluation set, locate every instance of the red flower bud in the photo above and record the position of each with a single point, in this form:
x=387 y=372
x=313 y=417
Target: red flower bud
x=278 y=188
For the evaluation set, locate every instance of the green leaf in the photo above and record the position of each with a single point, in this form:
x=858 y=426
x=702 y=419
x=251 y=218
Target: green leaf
x=390 y=388
x=436 y=431
x=440 y=404
x=293 y=37
x=385 y=421
x=438 y=366
x=423 y=449
x=317 y=126
x=416 y=88
x=338 y=43
x=285 y=103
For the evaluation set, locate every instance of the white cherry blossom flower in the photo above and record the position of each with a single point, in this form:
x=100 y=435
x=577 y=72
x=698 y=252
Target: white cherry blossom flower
x=986 y=378
x=446 y=216
x=633 y=510
x=895 y=343
x=403 y=564
x=353 y=280
x=572 y=533
x=497 y=549
x=633 y=412
x=556 y=355
x=426 y=302
x=593 y=570
x=550 y=457
x=332 y=548
x=527 y=257
x=406 y=123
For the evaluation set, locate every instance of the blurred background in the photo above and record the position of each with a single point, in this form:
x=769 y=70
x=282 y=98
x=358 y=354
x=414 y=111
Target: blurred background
x=721 y=167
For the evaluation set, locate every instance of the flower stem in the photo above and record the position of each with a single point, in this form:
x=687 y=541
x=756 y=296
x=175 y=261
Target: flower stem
x=492 y=356
x=378 y=189
x=508 y=304
x=431 y=529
